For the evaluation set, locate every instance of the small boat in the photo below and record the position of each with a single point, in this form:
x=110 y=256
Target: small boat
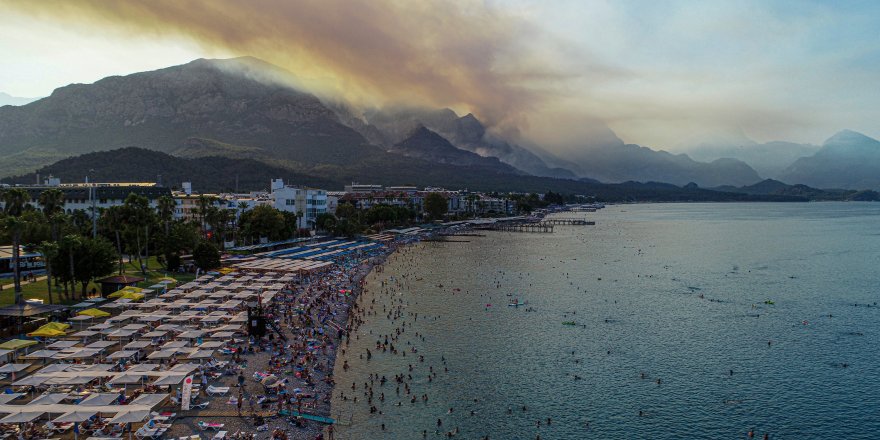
x=771 y=303
x=569 y=323
x=517 y=303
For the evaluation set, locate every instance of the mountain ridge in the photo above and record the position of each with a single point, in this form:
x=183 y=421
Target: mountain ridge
x=848 y=160
x=245 y=107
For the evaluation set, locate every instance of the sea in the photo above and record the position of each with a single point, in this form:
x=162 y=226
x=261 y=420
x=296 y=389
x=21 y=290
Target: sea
x=662 y=321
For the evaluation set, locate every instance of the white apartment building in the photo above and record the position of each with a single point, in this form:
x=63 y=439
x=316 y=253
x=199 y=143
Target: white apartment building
x=310 y=202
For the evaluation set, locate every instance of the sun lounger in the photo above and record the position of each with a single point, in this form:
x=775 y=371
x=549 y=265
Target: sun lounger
x=60 y=428
x=221 y=435
x=217 y=391
x=146 y=433
x=215 y=426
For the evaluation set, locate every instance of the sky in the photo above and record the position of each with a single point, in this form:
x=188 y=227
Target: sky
x=665 y=74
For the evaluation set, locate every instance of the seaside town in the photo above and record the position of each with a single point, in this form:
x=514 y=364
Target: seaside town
x=137 y=310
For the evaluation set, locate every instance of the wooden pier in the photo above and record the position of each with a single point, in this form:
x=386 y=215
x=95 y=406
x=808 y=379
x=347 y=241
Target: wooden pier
x=568 y=221
x=546 y=228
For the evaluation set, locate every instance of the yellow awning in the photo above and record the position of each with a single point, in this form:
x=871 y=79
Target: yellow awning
x=57 y=326
x=94 y=313
x=134 y=296
x=47 y=333
x=50 y=330
x=127 y=289
x=15 y=344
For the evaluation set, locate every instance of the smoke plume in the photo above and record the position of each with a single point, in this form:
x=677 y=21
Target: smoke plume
x=466 y=56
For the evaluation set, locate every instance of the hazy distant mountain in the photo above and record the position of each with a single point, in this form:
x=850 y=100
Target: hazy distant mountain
x=425 y=144
x=768 y=159
x=7 y=99
x=848 y=160
x=619 y=162
x=775 y=187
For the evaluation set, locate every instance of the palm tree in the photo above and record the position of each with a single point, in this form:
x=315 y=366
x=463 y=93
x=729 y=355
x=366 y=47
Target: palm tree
x=202 y=206
x=116 y=218
x=236 y=215
x=50 y=251
x=71 y=242
x=52 y=201
x=16 y=199
x=165 y=207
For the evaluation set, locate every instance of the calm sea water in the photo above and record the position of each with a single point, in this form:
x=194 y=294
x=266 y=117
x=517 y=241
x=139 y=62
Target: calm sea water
x=676 y=292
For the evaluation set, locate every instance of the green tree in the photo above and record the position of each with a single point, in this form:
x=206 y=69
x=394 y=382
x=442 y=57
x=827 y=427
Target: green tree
x=436 y=205
x=52 y=201
x=347 y=227
x=325 y=221
x=49 y=250
x=95 y=258
x=165 y=206
x=69 y=251
x=203 y=205
x=236 y=220
x=113 y=221
x=16 y=200
x=263 y=221
x=382 y=214
x=552 y=198
x=346 y=210
x=206 y=256
x=291 y=224
x=138 y=217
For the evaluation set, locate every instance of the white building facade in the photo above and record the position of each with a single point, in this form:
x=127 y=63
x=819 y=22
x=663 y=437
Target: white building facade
x=308 y=202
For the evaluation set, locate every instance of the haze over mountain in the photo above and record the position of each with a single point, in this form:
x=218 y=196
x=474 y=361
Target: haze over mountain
x=389 y=126
x=243 y=108
x=618 y=162
x=846 y=160
x=7 y=99
x=768 y=159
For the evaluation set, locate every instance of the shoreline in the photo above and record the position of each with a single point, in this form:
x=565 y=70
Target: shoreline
x=357 y=284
